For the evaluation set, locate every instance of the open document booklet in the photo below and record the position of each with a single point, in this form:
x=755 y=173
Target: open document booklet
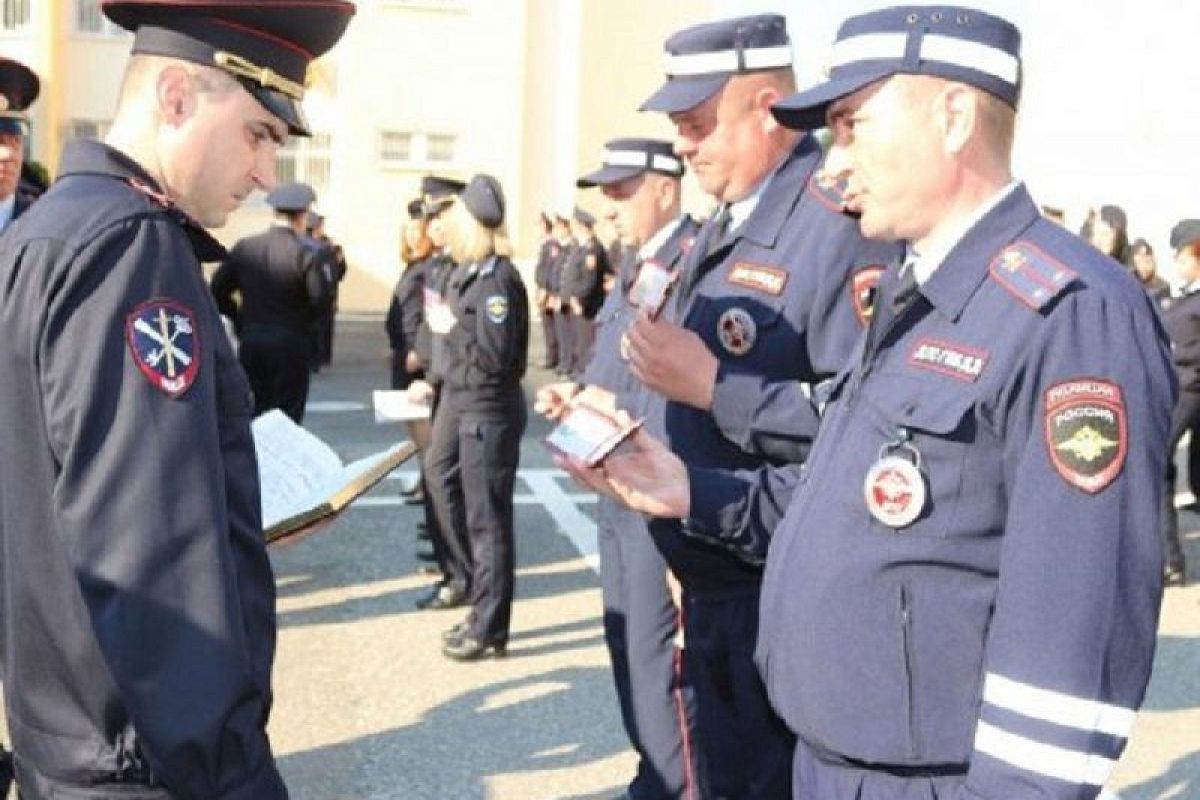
x=304 y=481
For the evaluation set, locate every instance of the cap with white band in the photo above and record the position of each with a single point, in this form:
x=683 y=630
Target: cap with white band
x=628 y=158
x=700 y=59
x=952 y=42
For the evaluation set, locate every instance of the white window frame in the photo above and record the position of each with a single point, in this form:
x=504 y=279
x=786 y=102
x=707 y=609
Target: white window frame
x=305 y=153
x=9 y=8
x=107 y=30
x=419 y=151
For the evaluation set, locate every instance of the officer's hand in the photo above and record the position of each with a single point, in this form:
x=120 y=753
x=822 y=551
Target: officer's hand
x=412 y=362
x=440 y=318
x=552 y=399
x=539 y=298
x=576 y=306
x=672 y=361
x=648 y=477
x=419 y=392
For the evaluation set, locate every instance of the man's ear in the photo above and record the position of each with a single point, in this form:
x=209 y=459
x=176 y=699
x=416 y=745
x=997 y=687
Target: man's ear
x=764 y=98
x=958 y=113
x=175 y=93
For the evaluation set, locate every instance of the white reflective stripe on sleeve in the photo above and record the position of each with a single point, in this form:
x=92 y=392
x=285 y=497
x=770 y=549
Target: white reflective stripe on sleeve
x=626 y=158
x=1056 y=707
x=727 y=60
x=948 y=49
x=1044 y=759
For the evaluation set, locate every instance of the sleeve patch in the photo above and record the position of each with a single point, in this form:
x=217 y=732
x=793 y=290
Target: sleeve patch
x=162 y=342
x=1029 y=274
x=497 y=308
x=1086 y=432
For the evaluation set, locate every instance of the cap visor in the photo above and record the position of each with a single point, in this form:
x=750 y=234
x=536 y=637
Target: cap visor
x=607 y=175
x=681 y=94
x=282 y=106
x=805 y=111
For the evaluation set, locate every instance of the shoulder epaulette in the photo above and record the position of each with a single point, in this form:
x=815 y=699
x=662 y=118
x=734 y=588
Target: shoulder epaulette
x=831 y=193
x=1030 y=274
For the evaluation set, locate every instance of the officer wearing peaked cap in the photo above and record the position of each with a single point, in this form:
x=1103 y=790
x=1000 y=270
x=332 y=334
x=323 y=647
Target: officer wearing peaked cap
x=280 y=277
x=580 y=284
x=19 y=87
x=641 y=179
x=996 y=444
x=765 y=303
x=139 y=623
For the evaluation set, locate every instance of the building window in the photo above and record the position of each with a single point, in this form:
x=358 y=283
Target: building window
x=411 y=150
x=84 y=129
x=89 y=19
x=14 y=14
x=305 y=159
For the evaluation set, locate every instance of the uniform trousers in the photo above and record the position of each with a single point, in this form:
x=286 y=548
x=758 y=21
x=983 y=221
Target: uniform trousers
x=444 y=490
x=550 y=334
x=640 y=627
x=818 y=777
x=583 y=332
x=489 y=451
x=745 y=751
x=564 y=331
x=276 y=360
x=1185 y=415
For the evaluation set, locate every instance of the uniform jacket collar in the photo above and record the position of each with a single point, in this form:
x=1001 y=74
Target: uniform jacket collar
x=966 y=265
x=87 y=157
x=769 y=217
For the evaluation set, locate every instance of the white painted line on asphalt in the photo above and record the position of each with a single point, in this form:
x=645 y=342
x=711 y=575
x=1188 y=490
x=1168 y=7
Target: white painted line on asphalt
x=572 y=522
x=1184 y=499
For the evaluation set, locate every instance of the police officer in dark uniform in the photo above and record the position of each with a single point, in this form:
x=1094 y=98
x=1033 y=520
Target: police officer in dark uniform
x=139 y=616
x=1182 y=319
x=548 y=253
x=564 y=323
x=406 y=311
x=486 y=333
x=446 y=510
x=767 y=296
x=282 y=292
x=582 y=289
x=641 y=177
x=19 y=87
x=963 y=595
x=331 y=261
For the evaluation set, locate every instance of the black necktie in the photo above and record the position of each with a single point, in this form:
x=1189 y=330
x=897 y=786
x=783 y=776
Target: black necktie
x=719 y=230
x=891 y=304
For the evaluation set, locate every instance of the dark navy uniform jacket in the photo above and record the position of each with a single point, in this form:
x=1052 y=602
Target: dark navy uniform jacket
x=1182 y=319
x=486 y=350
x=608 y=368
x=776 y=303
x=406 y=312
x=547 y=255
x=277 y=275
x=580 y=275
x=1017 y=613
x=139 y=614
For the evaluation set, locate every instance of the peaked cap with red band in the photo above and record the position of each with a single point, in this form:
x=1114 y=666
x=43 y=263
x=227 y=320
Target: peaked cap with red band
x=266 y=44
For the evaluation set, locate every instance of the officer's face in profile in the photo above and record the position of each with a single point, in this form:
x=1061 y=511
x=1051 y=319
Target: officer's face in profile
x=1144 y=265
x=1187 y=263
x=888 y=147
x=436 y=229
x=218 y=144
x=724 y=139
x=638 y=203
x=12 y=155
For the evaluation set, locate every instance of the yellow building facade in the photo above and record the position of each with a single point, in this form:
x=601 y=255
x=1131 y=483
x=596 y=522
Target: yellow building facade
x=527 y=90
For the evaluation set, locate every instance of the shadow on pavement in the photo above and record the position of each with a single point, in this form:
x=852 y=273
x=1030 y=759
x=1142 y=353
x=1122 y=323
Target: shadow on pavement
x=1175 y=684
x=515 y=726
x=1181 y=781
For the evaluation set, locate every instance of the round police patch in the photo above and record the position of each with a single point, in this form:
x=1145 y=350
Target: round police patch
x=894 y=490
x=162 y=340
x=497 y=308
x=1086 y=432
x=736 y=331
